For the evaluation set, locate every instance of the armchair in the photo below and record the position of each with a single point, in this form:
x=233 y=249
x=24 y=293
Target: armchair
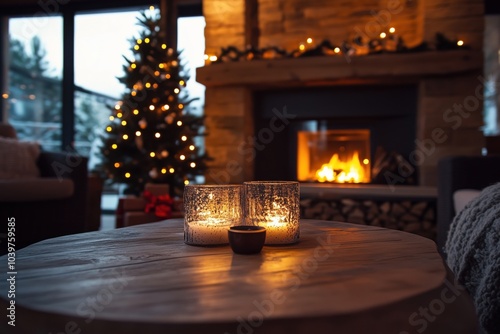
x=461 y=172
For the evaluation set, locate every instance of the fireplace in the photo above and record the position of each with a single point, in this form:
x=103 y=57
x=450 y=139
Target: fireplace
x=329 y=126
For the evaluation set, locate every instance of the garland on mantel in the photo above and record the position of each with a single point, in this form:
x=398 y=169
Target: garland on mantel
x=385 y=43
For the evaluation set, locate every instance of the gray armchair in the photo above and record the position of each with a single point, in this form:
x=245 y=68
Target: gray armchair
x=461 y=172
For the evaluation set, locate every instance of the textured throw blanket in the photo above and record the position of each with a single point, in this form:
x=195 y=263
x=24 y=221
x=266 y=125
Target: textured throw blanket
x=473 y=254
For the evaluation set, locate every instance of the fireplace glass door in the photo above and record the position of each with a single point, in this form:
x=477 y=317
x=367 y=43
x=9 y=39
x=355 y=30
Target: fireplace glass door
x=340 y=156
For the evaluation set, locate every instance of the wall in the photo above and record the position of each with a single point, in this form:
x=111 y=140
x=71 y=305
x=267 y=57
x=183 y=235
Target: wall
x=286 y=23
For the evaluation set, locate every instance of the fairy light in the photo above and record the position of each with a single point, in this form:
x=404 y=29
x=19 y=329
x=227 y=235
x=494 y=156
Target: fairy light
x=155 y=85
x=111 y=118
x=109 y=129
x=179 y=123
x=213 y=58
x=193 y=165
x=119 y=115
x=336 y=50
x=127 y=175
x=136 y=112
x=151 y=8
x=117 y=165
x=182 y=157
x=206 y=57
x=157 y=135
x=309 y=40
x=157 y=73
x=176 y=90
x=460 y=42
x=124 y=122
x=181 y=82
x=114 y=146
x=161 y=65
x=171 y=170
x=186 y=182
x=139 y=41
x=392 y=30
x=164 y=171
x=134 y=93
x=166 y=107
x=146 y=40
x=184 y=138
x=366 y=161
x=302 y=47
x=136 y=47
x=174 y=63
x=180 y=106
x=191 y=147
x=383 y=35
x=117 y=107
x=125 y=137
x=5 y=95
x=138 y=133
x=152 y=154
x=164 y=46
x=148 y=85
x=151 y=107
x=167 y=76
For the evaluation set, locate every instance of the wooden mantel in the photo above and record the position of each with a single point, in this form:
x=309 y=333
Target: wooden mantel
x=309 y=70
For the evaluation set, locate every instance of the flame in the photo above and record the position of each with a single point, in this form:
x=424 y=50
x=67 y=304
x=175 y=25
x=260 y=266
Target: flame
x=342 y=171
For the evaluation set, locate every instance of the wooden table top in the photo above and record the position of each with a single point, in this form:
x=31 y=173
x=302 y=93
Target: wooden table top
x=339 y=278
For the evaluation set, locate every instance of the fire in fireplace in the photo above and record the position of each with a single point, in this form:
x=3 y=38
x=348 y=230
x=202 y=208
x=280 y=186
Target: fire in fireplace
x=340 y=156
x=334 y=119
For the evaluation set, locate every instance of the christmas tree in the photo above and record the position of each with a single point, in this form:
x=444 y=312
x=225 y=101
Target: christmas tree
x=151 y=134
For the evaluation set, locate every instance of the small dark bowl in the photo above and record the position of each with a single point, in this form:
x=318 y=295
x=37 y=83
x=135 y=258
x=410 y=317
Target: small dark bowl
x=246 y=239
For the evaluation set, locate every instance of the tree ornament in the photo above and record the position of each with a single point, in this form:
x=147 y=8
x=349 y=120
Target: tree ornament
x=153 y=173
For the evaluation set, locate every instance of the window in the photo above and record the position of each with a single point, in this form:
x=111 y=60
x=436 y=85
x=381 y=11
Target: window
x=34 y=103
x=35 y=72
x=101 y=42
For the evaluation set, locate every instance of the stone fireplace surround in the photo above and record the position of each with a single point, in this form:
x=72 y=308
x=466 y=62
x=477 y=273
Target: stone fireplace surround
x=449 y=104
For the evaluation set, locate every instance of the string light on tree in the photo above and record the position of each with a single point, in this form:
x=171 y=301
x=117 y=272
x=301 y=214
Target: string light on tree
x=151 y=138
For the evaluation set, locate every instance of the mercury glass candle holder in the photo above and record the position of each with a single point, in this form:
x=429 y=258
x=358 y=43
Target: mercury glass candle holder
x=275 y=206
x=209 y=210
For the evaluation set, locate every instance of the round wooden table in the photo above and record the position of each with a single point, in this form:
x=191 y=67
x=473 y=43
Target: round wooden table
x=340 y=278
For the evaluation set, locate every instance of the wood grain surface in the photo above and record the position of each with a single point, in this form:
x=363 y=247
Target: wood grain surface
x=339 y=278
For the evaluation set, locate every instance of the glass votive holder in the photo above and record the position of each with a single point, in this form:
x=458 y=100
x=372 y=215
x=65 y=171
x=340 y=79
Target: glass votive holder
x=209 y=210
x=275 y=206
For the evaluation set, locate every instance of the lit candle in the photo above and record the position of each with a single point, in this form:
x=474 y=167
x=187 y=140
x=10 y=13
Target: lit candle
x=209 y=212
x=209 y=232
x=278 y=231
x=275 y=206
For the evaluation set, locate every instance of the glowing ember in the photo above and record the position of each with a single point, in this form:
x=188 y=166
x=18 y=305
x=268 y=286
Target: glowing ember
x=351 y=171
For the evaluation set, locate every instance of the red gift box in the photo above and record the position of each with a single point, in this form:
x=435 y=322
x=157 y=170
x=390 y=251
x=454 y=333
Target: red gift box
x=154 y=205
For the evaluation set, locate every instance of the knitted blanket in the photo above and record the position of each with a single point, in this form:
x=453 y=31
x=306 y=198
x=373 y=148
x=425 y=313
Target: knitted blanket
x=473 y=254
